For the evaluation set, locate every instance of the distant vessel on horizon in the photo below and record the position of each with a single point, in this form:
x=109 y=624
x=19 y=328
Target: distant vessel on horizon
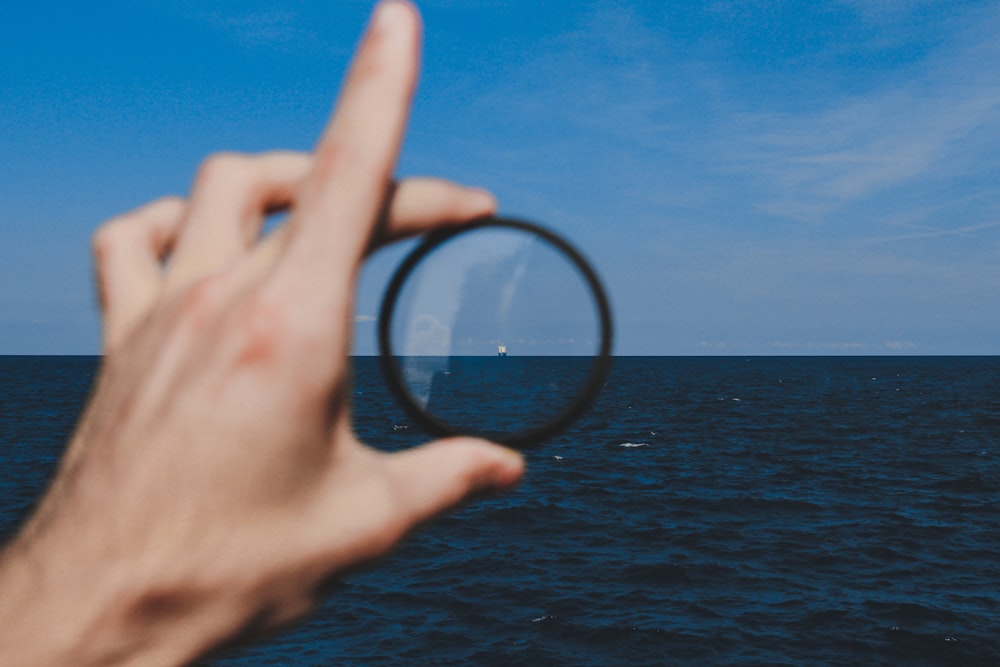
x=501 y=350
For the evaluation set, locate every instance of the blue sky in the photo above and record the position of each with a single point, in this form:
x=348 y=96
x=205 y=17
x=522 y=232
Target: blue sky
x=750 y=177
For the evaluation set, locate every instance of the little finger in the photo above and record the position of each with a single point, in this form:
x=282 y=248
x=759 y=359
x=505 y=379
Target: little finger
x=128 y=255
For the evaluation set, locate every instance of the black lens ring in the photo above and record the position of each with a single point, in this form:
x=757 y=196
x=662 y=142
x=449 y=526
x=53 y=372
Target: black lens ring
x=390 y=366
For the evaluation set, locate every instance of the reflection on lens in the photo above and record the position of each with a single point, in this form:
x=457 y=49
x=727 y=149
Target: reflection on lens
x=496 y=331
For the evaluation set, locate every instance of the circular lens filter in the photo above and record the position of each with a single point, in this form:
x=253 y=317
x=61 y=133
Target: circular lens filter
x=498 y=328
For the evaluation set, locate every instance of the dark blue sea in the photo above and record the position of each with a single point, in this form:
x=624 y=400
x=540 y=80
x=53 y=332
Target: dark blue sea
x=706 y=511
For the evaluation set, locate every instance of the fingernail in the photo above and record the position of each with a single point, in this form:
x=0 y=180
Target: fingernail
x=511 y=471
x=485 y=195
x=386 y=13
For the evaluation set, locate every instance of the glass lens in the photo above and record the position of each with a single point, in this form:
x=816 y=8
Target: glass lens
x=495 y=332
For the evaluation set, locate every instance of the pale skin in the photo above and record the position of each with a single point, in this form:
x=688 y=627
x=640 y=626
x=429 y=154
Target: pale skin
x=214 y=483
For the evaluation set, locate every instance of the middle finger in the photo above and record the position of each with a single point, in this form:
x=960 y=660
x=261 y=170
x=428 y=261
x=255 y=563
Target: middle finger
x=344 y=194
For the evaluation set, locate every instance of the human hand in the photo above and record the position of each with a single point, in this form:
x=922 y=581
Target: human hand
x=214 y=482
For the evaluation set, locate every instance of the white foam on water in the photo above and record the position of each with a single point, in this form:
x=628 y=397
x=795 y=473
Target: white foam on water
x=631 y=445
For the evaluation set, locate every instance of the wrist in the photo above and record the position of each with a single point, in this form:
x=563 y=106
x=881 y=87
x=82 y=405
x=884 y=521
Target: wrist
x=53 y=611
x=58 y=607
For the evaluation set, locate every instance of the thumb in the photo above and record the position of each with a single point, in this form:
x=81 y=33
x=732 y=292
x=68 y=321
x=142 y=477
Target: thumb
x=438 y=476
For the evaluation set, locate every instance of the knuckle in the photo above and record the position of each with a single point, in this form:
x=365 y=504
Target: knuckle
x=222 y=168
x=141 y=225
x=275 y=339
x=110 y=236
x=344 y=156
x=201 y=301
x=169 y=205
x=278 y=332
x=103 y=239
x=272 y=329
x=271 y=342
x=261 y=329
x=330 y=160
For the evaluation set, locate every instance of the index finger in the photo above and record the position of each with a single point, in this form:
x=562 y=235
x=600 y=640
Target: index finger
x=341 y=199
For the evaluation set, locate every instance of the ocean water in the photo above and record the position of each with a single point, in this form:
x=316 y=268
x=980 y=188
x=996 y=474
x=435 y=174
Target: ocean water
x=706 y=511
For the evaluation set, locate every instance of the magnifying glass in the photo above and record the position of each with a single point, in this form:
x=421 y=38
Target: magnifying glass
x=498 y=328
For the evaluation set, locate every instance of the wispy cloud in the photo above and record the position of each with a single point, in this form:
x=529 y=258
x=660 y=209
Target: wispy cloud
x=935 y=123
x=814 y=164
x=829 y=347
x=676 y=130
x=927 y=232
x=258 y=27
x=753 y=195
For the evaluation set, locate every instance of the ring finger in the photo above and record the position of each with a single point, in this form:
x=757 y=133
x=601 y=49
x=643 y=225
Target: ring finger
x=231 y=196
